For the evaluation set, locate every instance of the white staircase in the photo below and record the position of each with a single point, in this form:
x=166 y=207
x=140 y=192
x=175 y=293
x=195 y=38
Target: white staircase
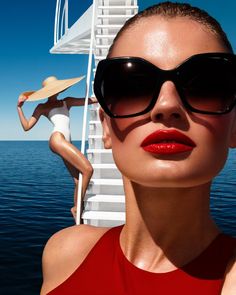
x=104 y=203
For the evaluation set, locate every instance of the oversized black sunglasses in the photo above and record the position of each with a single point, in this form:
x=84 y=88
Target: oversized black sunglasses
x=129 y=86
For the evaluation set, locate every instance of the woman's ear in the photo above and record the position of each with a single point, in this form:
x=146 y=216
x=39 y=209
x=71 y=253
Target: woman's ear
x=106 y=138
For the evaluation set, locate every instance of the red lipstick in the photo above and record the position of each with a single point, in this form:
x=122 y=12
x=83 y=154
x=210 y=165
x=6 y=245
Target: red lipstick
x=167 y=142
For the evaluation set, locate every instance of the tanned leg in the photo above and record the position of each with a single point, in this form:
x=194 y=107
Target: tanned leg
x=75 y=162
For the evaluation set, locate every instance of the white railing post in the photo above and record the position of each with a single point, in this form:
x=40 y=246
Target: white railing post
x=66 y=16
x=62 y=22
x=64 y=19
x=89 y=69
x=56 y=21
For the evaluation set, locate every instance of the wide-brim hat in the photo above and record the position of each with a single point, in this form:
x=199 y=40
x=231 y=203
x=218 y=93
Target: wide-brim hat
x=51 y=86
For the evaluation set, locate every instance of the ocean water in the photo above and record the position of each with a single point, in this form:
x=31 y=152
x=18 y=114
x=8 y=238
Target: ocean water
x=35 y=200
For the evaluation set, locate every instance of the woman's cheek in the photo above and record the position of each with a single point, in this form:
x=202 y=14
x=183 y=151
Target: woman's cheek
x=213 y=141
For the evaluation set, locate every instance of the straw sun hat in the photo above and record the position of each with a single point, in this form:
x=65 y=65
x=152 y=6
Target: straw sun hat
x=51 y=86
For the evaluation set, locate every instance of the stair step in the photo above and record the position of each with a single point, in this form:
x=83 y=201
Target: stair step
x=103 y=46
x=95 y=127
x=94 y=122
x=102 y=16
x=118 y=7
x=104 y=203
x=109 y=26
x=105 y=171
x=107 y=181
x=101 y=57
x=106 y=186
x=96 y=143
x=104 y=206
x=105 y=198
x=103 y=215
x=111 y=36
x=104 y=166
x=97 y=156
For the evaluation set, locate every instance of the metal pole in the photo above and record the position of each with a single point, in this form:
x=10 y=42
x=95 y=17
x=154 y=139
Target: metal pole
x=58 y=20
x=66 y=16
x=62 y=22
x=56 y=23
x=79 y=201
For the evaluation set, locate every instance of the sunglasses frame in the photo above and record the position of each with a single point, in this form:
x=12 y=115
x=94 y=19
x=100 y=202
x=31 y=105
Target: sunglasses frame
x=173 y=75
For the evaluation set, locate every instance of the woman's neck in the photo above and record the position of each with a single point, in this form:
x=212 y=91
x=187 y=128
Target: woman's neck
x=172 y=224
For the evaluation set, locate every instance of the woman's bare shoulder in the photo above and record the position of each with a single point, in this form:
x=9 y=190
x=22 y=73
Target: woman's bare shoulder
x=65 y=251
x=84 y=236
x=229 y=287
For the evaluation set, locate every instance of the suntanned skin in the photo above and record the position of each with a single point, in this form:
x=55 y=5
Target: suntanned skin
x=168 y=220
x=73 y=159
x=229 y=286
x=65 y=251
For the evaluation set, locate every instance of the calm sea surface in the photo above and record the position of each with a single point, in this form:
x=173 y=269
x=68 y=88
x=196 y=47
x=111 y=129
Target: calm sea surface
x=35 y=200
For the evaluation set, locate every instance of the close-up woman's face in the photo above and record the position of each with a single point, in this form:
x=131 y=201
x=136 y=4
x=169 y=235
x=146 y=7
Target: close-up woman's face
x=166 y=43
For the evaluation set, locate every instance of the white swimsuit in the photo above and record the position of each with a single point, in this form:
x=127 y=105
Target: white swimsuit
x=60 y=118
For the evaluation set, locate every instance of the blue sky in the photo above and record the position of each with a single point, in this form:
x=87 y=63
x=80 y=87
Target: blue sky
x=26 y=37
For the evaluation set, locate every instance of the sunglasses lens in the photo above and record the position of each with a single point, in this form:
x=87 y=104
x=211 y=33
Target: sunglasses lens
x=128 y=87
x=213 y=88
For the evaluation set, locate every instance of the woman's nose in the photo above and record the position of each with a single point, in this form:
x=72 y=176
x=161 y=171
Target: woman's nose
x=168 y=105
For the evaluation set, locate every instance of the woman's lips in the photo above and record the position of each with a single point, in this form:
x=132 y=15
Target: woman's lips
x=167 y=142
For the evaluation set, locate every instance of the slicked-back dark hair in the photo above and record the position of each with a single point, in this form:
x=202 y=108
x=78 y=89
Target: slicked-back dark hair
x=172 y=10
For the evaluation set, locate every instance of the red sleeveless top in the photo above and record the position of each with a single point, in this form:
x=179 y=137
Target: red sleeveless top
x=106 y=271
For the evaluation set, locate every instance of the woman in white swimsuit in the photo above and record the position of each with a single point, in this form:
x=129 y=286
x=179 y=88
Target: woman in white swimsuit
x=57 y=111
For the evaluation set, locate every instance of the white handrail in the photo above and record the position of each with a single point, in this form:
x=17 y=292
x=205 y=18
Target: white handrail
x=62 y=21
x=66 y=15
x=56 y=22
x=89 y=69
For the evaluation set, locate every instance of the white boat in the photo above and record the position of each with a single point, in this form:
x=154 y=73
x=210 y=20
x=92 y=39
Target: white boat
x=92 y=34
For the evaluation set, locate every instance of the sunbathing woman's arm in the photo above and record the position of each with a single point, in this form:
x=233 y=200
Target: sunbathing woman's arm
x=28 y=124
